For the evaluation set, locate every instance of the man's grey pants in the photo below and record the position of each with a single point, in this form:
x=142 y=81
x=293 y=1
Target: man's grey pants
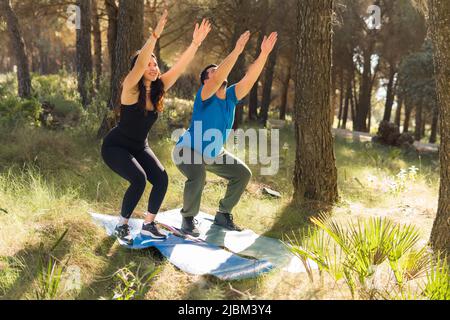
x=225 y=165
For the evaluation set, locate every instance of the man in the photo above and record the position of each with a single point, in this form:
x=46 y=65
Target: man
x=200 y=148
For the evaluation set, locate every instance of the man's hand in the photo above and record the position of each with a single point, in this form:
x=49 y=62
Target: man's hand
x=269 y=43
x=244 y=86
x=201 y=32
x=242 y=42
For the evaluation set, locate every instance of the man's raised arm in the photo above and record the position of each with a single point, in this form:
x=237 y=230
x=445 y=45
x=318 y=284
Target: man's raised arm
x=225 y=68
x=244 y=86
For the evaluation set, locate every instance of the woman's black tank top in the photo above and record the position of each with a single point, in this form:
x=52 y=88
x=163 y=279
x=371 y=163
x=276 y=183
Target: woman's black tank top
x=136 y=123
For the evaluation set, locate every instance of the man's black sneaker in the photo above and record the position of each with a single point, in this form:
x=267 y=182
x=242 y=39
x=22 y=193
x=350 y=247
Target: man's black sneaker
x=150 y=230
x=188 y=226
x=225 y=220
x=122 y=232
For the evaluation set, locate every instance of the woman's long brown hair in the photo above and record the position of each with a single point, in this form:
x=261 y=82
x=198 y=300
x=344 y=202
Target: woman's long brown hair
x=157 y=91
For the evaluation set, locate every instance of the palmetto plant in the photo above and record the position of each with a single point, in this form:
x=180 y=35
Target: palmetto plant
x=365 y=251
x=438 y=280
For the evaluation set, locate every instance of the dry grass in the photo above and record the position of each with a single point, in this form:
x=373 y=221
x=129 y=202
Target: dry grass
x=44 y=197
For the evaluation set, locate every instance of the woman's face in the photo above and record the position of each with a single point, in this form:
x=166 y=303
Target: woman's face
x=152 y=71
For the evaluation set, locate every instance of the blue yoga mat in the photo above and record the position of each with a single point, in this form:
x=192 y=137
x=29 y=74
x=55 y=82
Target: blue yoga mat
x=246 y=242
x=197 y=258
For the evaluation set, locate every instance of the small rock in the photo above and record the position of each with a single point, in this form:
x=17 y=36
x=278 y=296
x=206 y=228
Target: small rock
x=271 y=192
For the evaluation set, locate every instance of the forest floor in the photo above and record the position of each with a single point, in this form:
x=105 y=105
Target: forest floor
x=364 y=137
x=49 y=183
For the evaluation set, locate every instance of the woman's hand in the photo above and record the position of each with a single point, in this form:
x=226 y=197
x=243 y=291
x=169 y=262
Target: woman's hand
x=201 y=32
x=269 y=43
x=161 y=24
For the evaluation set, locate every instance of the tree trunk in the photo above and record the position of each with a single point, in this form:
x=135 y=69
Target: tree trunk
x=341 y=97
x=424 y=124
x=241 y=23
x=440 y=29
x=129 y=40
x=353 y=102
x=315 y=173
x=97 y=44
x=362 y=110
x=408 y=110
x=398 y=112
x=112 y=11
x=234 y=78
x=348 y=98
x=390 y=95
x=84 y=54
x=267 y=88
x=434 y=125
x=284 y=95
x=253 y=98
x=418 y=127
x=130 y=27
x=333 y=95
x=18 y=48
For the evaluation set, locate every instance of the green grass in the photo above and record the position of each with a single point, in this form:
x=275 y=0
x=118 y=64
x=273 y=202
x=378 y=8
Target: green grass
x=49 y=180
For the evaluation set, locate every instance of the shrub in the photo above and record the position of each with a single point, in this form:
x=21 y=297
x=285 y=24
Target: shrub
x=63 y=84
x=15 y=110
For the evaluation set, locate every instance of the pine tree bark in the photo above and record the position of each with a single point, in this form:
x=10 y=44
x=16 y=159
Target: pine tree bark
x=424 y=124
x=285 y=93
x=18 y=48
x=112 y=11
x=130 y=38
x=97 y=44
x=315 y=173
x=348 y=98
x=390 y=95
x=398 y=111
x=407 y=120
x=84 y=54
x=238 y=72
x=353 y=102
x=418 y=125
x=440 y=29
x=267 y=87
x=365 y=92
x=434 y=125
x=253 y=97
x=341 y=96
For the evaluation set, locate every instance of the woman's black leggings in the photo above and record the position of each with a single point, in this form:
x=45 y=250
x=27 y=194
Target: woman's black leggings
x=136 y=163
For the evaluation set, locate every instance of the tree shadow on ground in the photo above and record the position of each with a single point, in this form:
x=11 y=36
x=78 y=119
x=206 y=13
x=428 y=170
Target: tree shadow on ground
x=117 y=257
x=295 y=217
x=30 y=262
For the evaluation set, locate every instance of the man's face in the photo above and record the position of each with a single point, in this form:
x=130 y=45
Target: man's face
x=211 y=72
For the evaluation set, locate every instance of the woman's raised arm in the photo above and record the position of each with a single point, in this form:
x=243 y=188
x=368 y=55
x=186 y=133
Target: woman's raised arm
x=170 y=77
x=145 y=55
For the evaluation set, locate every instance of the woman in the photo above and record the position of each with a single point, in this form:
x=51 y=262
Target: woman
x=125 y=149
